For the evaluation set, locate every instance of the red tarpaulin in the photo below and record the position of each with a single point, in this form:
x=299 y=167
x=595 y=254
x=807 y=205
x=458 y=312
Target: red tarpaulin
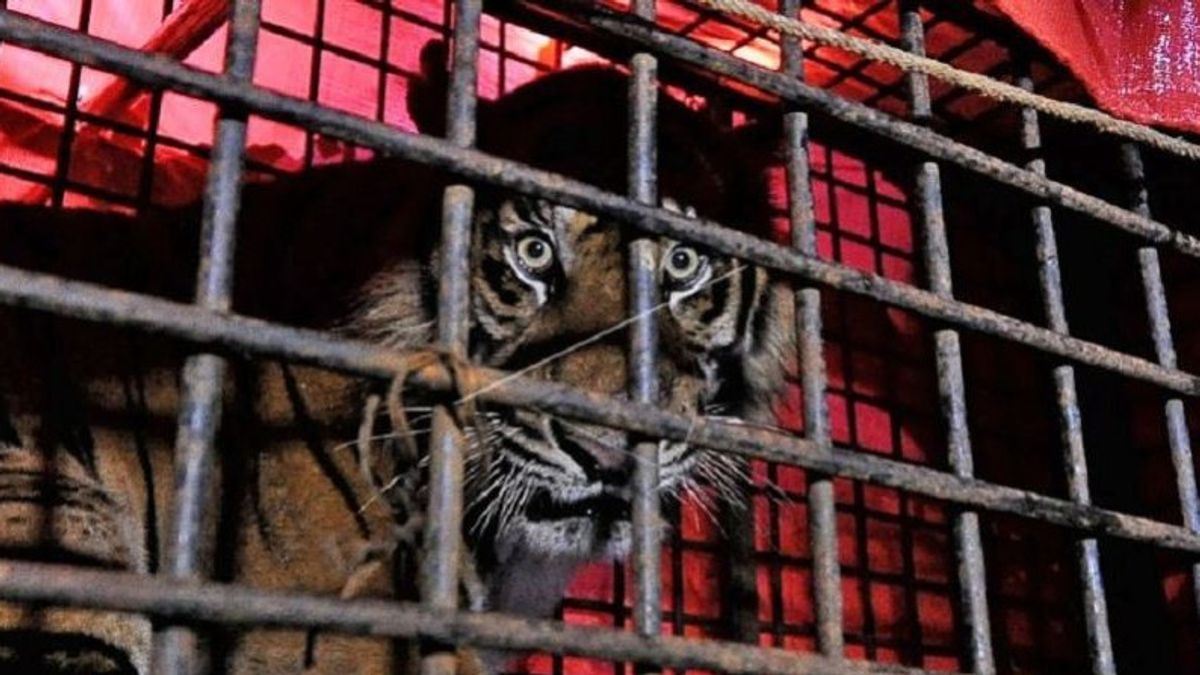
x=1140 y=59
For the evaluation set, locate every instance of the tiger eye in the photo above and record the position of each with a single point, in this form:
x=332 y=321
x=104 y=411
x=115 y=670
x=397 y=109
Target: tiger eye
x=683 y=263
x=535 y=253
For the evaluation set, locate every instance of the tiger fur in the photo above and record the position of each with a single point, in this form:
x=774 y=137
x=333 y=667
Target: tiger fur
x=88 y=412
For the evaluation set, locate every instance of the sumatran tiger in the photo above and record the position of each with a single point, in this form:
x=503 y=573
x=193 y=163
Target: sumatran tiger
x=312 y=494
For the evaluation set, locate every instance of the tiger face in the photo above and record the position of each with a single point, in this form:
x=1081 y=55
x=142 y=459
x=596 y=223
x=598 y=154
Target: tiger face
x=550 y=301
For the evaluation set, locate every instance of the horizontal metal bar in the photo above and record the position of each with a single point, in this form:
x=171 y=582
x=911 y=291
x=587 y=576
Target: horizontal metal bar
x=252 y=607
x=479 y=166
x=214 y=329
x=884 y=125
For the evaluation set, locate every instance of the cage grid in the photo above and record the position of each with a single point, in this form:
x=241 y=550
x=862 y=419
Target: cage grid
x=884 y=483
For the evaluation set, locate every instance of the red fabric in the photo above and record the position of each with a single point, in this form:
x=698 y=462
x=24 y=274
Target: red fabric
x=1140 y=59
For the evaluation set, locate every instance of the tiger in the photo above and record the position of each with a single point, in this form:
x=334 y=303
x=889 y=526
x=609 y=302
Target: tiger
x=316 y=491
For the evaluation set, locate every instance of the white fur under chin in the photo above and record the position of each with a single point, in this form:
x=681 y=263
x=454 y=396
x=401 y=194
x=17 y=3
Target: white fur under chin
x=576 y=539
x=536 y=564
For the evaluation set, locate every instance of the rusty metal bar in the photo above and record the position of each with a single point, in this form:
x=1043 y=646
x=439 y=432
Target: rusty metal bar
x=250 y=607
x=176 y=648
x=1178 y=439
x=822 y=514
x=642 y=279
x=971 y=574
x=1087 y=550
x=443 y=548
x=222 y=330
x=484 y=168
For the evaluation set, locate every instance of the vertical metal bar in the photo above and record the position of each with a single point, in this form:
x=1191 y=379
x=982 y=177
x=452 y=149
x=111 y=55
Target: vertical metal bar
x=1164 y=348
x=70 y=125
x=971 y=572
x=314 y=77
x=1087 y=551
x=177 y=650
x=439 y=578
x=822 y=516
x=643 y=339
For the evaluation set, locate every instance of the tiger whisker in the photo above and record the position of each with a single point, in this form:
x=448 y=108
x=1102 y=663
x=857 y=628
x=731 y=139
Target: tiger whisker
x=383 y=490
x=382 y=437
x=738 y=421
x=703 y=502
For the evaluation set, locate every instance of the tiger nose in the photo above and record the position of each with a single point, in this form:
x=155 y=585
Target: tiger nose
x=598 y=368
x=601 y=453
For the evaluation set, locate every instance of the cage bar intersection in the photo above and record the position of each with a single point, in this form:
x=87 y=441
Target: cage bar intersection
x=182 y=600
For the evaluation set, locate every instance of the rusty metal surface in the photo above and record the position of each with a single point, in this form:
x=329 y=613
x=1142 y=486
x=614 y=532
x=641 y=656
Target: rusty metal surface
x=484 y=168
x=176 y=649
x=1087 y=550
x=442 y=552
x=887 y=128
x=642 y=281
x=245 y=606
x=1178 y=437
x=822 y=513
x=968 y=544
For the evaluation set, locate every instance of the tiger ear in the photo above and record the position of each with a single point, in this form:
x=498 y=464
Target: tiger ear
x=426 y=96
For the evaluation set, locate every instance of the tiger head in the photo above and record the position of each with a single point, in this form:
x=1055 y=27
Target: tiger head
x=549 y=299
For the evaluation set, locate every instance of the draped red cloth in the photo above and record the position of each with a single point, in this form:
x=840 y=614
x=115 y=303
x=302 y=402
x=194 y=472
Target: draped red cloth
x=1139 y=59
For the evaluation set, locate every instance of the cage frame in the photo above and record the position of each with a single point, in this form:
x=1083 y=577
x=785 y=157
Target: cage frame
x=183 y=601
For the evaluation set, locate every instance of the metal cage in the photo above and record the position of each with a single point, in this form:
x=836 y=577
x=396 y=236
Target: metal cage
x=928 y=133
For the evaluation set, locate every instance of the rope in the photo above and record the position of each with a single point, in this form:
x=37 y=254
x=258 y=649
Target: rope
x=989 y=87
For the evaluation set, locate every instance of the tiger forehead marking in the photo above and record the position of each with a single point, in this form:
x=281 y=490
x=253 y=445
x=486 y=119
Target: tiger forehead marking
x=579 y=290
